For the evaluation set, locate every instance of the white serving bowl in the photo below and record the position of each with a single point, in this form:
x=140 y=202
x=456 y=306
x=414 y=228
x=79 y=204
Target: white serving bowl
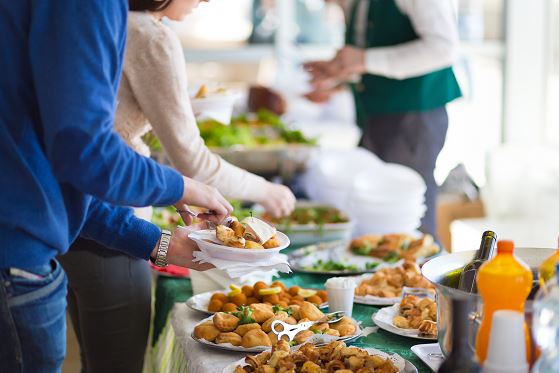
x=219 y=251
x=217 y=106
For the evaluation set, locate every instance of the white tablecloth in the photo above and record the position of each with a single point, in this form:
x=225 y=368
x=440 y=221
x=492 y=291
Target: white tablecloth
x=199 y=358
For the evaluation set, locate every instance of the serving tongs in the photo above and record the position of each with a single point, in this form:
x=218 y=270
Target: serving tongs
x=211 y=225
x=291 y=330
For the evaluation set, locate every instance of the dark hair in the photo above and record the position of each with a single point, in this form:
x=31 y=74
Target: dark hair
x=151 y=5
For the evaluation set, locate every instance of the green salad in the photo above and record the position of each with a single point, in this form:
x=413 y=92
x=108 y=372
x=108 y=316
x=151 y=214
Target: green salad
x=330 y=265
x=317 y=215
x=262 y=128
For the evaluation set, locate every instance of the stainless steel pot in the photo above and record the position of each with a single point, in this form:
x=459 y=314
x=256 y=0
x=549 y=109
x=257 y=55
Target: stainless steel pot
x=443 y=272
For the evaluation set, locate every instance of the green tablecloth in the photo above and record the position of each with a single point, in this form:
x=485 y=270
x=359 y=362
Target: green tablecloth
x=171 y=290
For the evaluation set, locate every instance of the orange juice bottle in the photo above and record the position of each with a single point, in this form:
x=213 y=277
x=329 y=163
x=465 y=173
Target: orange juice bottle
x=547 y=268
x=504 y=283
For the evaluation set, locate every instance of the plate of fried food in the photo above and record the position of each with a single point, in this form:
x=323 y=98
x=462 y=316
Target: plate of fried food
x=249 y=240
x=276 y=294
x=415 y=317
x=385 y=286
x=333 y=357
x=391 y=247
x=249 y=328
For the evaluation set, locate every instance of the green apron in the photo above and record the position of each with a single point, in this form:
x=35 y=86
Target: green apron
x=377 y=95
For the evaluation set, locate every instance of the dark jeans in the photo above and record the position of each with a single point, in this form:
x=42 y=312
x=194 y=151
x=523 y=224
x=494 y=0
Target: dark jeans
x=109 y=300
x=414 y=140
x=33 y=319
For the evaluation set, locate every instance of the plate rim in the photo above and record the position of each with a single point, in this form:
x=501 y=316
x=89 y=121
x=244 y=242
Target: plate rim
x=394 y=329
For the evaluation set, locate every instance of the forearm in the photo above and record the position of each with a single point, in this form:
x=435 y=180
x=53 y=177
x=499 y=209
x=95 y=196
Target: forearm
x=409 y=60
x=117 y=228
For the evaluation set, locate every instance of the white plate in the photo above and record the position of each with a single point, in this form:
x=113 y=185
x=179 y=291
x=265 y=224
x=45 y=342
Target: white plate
x=200 y=302
x=403 y=365
x=430 y=354
x=230 y=347
x=383 y=318
x=220 y=251
x=371 y=300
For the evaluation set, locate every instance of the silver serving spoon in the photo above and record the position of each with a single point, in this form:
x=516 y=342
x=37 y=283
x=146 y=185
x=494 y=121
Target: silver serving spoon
x=211 y=225
x=291 y=330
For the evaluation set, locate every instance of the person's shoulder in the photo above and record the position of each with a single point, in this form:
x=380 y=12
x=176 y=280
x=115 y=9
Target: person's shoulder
x=145 y=33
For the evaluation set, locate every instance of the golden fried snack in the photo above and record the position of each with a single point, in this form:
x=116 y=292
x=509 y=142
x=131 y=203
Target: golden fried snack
x=225 y=322
x=229 y=307
x=220 y=297
x=310 y=311
x=315 y=299
x=262 y=312
x=401 y=322
x=323 y=295
x=207 y=332
x=245 y=328
x=333 y=332
x=232 y=338
x=310 y=367
x=302 y=336
x=294 y=290
x=248 y=290
x=228 y=237
x=256 y=337
x=428 y=328
x=252 y=300
x=253 y=245
x=215 y=305
x=295 y=311
x=238 y=228
x=345 y=330
x=272 y=243
x=239 y=299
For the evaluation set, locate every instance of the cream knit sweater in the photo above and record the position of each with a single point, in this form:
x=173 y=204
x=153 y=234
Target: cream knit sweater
x=153 y=93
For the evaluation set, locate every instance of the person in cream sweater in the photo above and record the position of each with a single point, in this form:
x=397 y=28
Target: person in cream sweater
x=153 y=94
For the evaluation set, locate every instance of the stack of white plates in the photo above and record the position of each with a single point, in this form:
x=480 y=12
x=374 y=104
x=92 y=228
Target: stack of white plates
x=380 y=197
x=389 y=200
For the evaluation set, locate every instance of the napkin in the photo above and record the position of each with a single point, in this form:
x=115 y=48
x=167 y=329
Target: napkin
x=239 y=269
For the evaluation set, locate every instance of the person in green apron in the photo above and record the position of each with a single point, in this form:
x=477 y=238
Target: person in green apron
x=399 y=54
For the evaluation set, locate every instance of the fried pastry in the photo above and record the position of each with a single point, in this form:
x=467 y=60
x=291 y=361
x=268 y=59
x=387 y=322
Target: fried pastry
x=243 y=329
x=256 y=337
x=230 y=337
x=225 y=322
x=207 y=332
x=262 y=312
x=310 y=311
x=228 y=237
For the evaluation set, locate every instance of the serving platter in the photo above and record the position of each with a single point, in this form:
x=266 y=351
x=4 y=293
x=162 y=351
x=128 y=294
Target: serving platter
x=404 y=365
x=318 y=340
x=383 y=319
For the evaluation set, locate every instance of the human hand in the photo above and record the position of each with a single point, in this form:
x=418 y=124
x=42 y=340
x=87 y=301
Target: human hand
x=181 y=250
x=206 y=196
x=321 y=96
x=279 y=200
x=348 y=62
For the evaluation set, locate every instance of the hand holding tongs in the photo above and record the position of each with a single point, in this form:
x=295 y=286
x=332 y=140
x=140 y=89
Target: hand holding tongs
x=291 y=330
x=211 y=225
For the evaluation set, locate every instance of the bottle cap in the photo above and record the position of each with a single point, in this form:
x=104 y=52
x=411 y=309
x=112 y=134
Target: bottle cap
x=489 y=234
x=505 y=247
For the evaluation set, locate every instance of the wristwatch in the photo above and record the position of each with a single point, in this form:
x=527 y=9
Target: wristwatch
x=160 y=259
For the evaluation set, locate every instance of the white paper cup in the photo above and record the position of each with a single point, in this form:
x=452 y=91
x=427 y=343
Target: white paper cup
x=341 y=291
x=507 y=344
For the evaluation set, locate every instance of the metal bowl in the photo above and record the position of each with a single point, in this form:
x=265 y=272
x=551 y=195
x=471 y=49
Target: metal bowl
x=444 y=272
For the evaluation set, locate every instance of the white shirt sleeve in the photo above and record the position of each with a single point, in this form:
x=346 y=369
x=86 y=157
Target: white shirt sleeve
x=434 y=21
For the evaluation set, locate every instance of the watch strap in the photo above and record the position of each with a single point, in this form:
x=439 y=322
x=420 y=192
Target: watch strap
x=162 y=248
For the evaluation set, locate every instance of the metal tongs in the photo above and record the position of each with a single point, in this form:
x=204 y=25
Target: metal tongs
x=211 y=225
x=291 y=330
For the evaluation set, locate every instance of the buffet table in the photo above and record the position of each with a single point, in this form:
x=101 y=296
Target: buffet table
x=175 y=351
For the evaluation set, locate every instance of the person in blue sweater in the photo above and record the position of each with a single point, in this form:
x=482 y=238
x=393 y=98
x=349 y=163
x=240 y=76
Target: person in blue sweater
x=64 y=172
